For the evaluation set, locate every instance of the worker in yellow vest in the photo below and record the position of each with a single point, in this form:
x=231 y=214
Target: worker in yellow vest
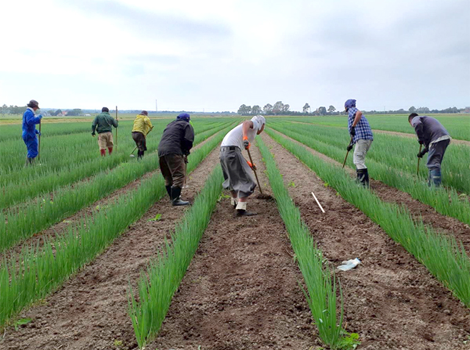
x=142 y=126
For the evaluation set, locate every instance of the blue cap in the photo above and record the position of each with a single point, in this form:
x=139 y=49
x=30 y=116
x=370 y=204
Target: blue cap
x=184 y=116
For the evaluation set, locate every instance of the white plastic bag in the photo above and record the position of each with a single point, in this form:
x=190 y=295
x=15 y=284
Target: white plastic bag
x=349 y=264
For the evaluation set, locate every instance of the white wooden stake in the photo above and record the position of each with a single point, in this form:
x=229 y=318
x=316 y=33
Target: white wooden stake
x=313 y=194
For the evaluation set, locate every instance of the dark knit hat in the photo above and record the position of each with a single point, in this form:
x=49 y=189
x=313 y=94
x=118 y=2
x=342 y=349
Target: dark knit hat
x=105 y=109
x=144 y=113
x=33 y=103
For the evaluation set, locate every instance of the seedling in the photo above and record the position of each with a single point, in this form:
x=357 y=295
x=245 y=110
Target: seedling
x=350 y=341
x=223 y=196
x=21 y=322
x=291 y=184
x=156 y=218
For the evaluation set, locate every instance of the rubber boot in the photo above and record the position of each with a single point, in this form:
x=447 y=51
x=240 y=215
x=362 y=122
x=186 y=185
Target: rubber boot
x=102 y=152
x=110 y=150
x=168 y=190
x=29 y=161
x=366 y=179
x=175 y=197
x=139 y=155
x=363 y=177
x=435 y=177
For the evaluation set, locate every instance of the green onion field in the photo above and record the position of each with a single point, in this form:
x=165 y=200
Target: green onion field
x=93 y=255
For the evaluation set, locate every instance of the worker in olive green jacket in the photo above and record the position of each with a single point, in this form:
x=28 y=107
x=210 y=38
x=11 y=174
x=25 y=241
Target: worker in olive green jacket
x=103 y=124
x=142 y=126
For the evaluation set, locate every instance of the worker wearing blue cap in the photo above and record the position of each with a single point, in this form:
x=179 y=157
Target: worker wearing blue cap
x=173 y=150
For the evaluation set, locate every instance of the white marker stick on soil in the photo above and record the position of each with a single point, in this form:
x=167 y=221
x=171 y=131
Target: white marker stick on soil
x=313 y=194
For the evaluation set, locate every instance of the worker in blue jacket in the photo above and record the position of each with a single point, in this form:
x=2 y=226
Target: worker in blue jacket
x=29 y=130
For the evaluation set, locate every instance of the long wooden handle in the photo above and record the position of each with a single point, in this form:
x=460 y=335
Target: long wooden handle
x=256 y=175
x=116 y=128
x=417 y=169
x=347 y=151
x=39 y=145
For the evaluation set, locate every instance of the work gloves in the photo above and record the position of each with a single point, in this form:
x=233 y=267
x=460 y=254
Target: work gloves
x=421 y=142
x=349 y=147
x=38 y=133
x=252 y=166
x=353 y=131
x=246 y=143
x=422 y=153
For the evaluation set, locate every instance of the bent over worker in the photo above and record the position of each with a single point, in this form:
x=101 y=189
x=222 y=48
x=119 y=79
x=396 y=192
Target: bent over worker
x=142 y=126
x=361 y=137
x=30 y=132
x=173 y=151
x=103 y=124
x=237 y=171
x=435 y=139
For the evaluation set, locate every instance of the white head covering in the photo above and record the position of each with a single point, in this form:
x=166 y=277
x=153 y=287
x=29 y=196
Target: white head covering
x=258 y=122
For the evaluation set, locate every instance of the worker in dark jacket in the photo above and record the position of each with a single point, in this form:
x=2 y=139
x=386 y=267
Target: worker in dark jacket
x=435 y=139
x=29 y=131
x=173 y=150
x=103 y=124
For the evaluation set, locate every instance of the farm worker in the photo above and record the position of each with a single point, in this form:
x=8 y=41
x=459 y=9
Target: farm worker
x=103 y=124
x=173 y=150
x=142 y=126
x=29 y=130
x=435 y=139
x=361 y=136
x=237 y=171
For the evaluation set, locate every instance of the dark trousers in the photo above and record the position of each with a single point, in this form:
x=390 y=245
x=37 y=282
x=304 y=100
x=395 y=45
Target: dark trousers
x=436 y=154
x=173 y=169
x=140 y=141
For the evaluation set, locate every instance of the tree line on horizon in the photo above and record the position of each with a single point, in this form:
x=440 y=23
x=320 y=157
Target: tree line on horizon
x=280 y=108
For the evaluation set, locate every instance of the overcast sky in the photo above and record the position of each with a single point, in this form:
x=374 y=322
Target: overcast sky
x=215 y=55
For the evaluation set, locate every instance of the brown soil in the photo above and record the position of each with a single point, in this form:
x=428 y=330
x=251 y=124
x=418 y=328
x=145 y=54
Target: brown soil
x=62 y=227
x=391 y=300
x=241 y=290
x=418 y=210
x=396 y=133
x=90 y=310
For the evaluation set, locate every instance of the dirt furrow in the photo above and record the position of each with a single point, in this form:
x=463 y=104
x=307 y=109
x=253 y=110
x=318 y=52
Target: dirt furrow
x=241 y=290
x=90 y=310
x=418 y=210
x=391 y=300
x=61 y=227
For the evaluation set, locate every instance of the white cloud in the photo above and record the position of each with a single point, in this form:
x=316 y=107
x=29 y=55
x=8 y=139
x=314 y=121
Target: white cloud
x=217 y=55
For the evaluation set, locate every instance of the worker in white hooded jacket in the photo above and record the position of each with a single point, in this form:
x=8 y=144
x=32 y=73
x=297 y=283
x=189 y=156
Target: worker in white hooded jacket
x=237 y=170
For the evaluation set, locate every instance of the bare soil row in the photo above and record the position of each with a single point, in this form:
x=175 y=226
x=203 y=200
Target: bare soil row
x=391 y=300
